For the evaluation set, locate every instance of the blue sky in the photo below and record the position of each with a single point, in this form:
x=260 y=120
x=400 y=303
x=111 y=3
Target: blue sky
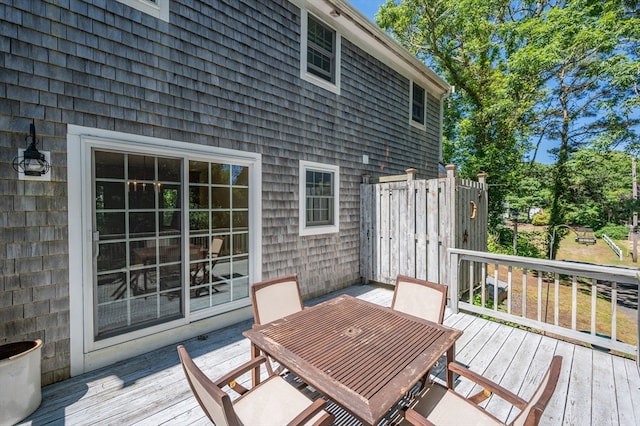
x=367 y=7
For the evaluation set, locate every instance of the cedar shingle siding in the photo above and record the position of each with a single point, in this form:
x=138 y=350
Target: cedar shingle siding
x=220 y=73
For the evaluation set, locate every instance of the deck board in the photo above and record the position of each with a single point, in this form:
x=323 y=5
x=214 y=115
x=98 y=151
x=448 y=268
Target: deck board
x=632 y=378
x=594 y=387
x=604 y=390
x=515 y=378
x=578 y=407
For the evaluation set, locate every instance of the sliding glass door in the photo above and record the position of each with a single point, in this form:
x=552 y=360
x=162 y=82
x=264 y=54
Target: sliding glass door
x=170 y=239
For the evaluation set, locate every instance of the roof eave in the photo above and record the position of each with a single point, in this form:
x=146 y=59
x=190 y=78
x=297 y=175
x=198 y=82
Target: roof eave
x=373 y=40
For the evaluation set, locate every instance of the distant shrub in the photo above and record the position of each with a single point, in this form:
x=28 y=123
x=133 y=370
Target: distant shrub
x=613 y=231
x=540 y=219
x=502 y=242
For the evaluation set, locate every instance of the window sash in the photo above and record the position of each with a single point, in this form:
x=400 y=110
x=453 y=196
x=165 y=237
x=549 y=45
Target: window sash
x=320 y=50
x=418 y=104
x=319 y=198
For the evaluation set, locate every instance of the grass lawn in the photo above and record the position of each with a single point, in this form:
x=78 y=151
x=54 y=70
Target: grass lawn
x=600 y=253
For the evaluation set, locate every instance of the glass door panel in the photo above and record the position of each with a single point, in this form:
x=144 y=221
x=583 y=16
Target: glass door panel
x=137 y=216
x=218 y=229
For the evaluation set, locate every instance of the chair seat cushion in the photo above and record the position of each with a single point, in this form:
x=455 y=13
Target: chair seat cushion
x=445 y=407
x=274 y=402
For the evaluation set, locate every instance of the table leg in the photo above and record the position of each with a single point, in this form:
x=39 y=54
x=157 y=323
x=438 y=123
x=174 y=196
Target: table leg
x=255 y=373
x=451 y=354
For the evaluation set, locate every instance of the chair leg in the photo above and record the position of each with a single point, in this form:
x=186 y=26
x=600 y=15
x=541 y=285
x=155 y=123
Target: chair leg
x=425 y=379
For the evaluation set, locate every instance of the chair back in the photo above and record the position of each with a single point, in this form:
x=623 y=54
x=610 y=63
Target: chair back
x=422 y=299
x=532 y=412
x=216 y=246
x=214 y=401
x=274 y=299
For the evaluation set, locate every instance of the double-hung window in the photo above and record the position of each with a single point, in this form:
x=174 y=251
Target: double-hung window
x=418 y=109
x=320 y=53
x=321 y=59
x=319 y=198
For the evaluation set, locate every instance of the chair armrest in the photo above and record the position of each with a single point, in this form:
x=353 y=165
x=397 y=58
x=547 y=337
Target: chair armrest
x=229 y=378
x=487 y=384
x=415 y=418
x=306 y=415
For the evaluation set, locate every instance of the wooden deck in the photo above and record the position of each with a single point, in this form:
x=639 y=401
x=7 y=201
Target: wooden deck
x=595 y=388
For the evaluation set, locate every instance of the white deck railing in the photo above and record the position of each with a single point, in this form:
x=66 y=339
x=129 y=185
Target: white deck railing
x=617 y=250
x=589 y=303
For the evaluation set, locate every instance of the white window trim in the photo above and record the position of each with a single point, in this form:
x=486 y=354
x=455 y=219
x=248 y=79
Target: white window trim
x=322 y=229
x=307 y=76
x=424 y=107
x=158 y=9
x=86 y=353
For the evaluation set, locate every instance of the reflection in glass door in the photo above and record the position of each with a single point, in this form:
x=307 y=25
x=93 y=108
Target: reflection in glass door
x=138 y=243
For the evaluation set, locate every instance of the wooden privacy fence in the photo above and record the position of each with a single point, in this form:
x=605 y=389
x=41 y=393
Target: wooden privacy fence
x=407 y=225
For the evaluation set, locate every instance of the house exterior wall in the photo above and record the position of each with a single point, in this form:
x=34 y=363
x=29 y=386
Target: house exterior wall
x=220 y=73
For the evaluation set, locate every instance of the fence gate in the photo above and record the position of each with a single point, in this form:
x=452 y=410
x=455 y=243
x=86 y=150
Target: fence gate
x=407 y=225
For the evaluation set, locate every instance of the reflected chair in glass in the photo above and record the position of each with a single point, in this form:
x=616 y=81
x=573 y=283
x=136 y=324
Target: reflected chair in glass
x=200 y=271
x=274 y=401
x=134 y=282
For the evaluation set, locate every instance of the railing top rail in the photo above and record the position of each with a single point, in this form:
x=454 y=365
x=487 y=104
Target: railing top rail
x=590 y=270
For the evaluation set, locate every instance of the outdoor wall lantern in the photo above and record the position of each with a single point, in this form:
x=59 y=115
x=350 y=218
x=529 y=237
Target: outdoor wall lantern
x=31 y=162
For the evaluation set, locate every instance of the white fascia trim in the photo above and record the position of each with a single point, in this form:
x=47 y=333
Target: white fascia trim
x=156 y=144
x=318 y=230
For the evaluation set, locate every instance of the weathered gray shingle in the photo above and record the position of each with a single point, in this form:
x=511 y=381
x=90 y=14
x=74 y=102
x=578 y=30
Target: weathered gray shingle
x=219 y=73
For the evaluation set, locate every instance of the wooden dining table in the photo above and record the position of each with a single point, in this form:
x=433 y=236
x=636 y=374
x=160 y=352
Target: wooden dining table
x=363 y=356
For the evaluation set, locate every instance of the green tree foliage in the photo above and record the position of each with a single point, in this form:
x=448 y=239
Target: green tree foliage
x=565 y=71
x=585 y=54
x=531 y=190
x=530 y=243
x=465 y=41
x=540 y=219
x=600 y=184
x=600 y=187
x=615 y=232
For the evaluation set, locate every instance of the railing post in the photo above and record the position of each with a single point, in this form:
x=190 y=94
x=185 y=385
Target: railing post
x=448 y=239
x=411 y=173
x=454 y=296
x=482 y=178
